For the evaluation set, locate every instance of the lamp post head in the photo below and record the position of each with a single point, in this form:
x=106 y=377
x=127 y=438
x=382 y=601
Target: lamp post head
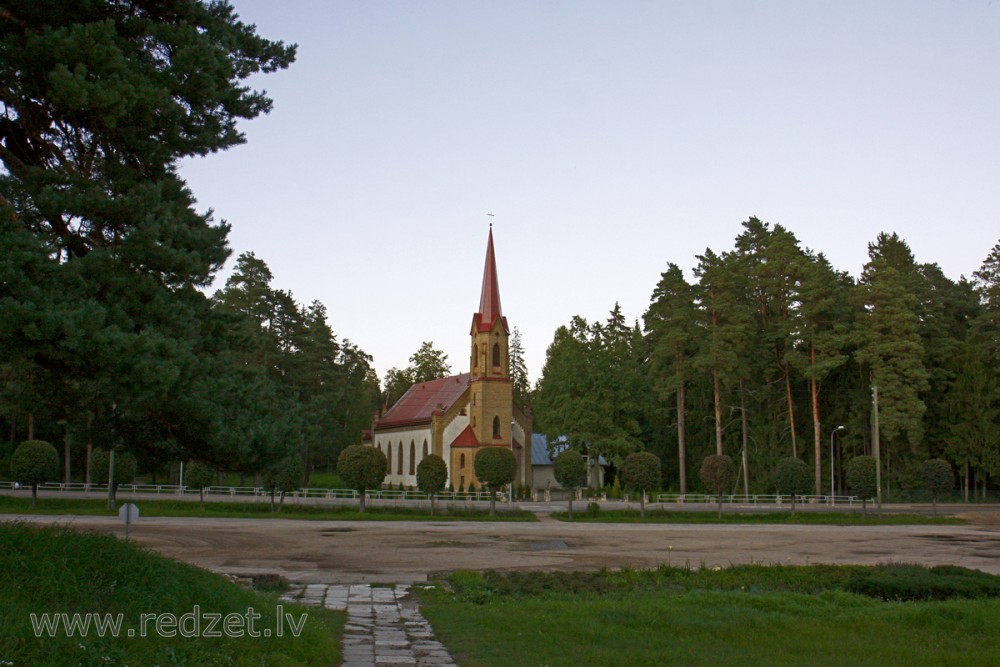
x=840 y=428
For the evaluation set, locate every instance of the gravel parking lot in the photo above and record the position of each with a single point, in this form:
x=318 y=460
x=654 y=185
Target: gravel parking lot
x=405 y=552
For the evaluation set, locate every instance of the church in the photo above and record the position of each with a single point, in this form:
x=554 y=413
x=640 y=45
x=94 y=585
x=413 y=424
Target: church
x=455 y=417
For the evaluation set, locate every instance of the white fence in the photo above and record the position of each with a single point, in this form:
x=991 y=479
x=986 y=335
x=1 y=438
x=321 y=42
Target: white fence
x=255 y=491
x=755 y=499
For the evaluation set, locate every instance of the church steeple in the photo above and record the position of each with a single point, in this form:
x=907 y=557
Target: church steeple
x=489 y=299
x=491 y=398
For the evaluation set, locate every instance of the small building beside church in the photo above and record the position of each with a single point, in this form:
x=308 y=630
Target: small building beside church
x=455 y=417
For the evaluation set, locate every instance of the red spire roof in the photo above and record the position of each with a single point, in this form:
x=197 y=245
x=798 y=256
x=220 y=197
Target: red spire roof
x=489 y=300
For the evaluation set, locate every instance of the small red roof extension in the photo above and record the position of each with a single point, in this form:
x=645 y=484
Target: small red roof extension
x=467 y=438
x=418 y=404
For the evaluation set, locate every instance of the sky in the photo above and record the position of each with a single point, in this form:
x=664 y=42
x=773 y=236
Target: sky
x=607 y=139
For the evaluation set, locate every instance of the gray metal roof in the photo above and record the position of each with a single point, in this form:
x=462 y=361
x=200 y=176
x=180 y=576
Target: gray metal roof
x=540 y=449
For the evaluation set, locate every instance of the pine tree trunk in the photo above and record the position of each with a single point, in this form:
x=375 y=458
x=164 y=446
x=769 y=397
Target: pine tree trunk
x=681 y=440
x=31 y=426
x=965 y=482
x=90 y=450
x=791 y=408
x=361 y=501
x=34 y=496
x=642 y=504
x=717 y=391
x=817 y=427
x=493 y=502
x=571 y=503
x=746 y=435
x=67 y=442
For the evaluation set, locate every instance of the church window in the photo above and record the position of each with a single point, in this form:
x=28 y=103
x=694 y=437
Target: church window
x=496 y=354
x=496 y=427
x=425 y=450
x=461 y=461
x=399 y=459
x=388 y=452
x=413 y=458
x=475 y=356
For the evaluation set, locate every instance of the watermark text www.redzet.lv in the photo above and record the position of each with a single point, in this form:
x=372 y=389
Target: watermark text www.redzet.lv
x=195 y=623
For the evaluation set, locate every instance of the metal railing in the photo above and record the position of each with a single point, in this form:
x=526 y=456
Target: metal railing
x=256 y=491
x=756 y=499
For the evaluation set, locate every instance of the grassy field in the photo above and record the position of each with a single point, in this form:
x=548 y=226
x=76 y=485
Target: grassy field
x=783 y=517
x=154 y=506
x=55 y=571
x=745 y=615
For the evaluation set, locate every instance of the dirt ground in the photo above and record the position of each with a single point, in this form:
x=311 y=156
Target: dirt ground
x=404 y=552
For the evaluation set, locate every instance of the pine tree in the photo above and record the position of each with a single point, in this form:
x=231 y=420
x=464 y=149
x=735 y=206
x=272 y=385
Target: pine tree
x=101 y=102
x=822 y=321
x=889 y=343
x=726 y=324
x=671 y=339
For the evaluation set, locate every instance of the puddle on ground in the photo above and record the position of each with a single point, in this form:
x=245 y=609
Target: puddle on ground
x=551 y=544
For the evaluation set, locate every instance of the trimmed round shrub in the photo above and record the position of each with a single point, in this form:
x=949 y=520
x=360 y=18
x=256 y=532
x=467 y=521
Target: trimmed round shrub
x=570 y=469
x=126 y=467
x=198 y=475
x=861 y=476
x=641 y=471
x=362 y=468
x=494 y=466
x=937 y=476
x=34 y=462
x=717 y=473
x=432 y=474
x=792 y=476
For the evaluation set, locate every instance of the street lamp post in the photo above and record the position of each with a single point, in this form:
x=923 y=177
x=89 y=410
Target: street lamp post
x=832 y=467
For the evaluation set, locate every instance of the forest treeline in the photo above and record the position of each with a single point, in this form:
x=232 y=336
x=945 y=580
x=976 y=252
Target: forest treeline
x=107 y=338
x=771 y=349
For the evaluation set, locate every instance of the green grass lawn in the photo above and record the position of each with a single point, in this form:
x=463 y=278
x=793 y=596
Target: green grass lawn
x=783 y=517
x=56 y=571
x=747 y=615
x=158 y=506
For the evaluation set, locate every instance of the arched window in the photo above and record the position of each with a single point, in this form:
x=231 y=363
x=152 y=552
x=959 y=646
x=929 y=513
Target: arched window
x=496 y=354
x=399 y=459
x=475 y=356
x=413 y=458
x=388 y=456
x=461 y=461
x=496 y=427
x=425 y=451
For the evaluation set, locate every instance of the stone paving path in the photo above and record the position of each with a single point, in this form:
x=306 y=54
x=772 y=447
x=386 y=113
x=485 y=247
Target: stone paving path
x=384 y=624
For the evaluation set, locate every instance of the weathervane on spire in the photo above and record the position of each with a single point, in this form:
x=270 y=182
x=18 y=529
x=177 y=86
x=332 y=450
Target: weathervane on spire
x=491 y=220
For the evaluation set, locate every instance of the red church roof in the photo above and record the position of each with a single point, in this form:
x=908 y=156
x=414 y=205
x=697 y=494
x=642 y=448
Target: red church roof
x=489 y=300
x=420 y=401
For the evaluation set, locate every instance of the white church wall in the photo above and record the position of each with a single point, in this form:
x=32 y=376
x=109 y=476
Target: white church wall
x=417 y=436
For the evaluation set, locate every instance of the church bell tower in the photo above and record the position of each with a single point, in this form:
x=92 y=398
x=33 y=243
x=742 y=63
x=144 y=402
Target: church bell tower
x=491 y=398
